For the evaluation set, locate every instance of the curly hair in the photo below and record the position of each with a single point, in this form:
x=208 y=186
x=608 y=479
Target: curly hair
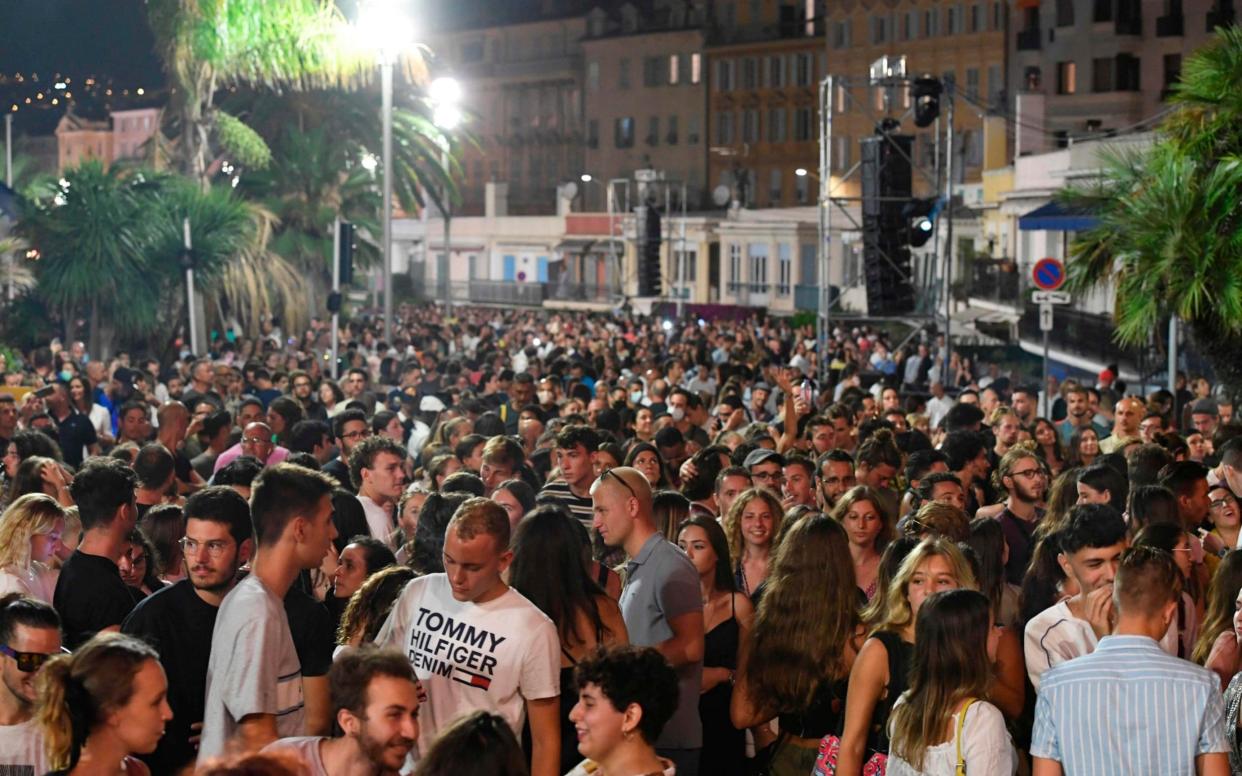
x=633 y=674
x=371 y=603
x=733 y=520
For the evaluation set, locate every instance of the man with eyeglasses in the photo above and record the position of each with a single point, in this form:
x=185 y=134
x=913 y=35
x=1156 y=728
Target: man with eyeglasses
x=349 y=427
x=29 y=635
x=179 y=619
x=1023 y=477
x=767 y=469
x=301 y=388
x=256 y=442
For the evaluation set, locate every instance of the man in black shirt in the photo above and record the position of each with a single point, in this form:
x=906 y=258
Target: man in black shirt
x=75 y=431
x=349 y=427
x=178 y=620
x=90 y=596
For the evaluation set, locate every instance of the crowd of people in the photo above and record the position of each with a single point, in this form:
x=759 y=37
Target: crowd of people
x=513 y=543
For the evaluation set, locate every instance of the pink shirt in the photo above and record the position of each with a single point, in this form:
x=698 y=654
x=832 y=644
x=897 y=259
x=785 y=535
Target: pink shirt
x=233 y=453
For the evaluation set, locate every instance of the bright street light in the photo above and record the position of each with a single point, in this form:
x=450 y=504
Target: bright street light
x=585 y=177
x=800 y=172
x=445 y=90
x=385 y=26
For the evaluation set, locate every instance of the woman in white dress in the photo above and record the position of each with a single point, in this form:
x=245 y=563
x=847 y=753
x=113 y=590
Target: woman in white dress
x=944 y=720
x=30 y=532
x=82 y=396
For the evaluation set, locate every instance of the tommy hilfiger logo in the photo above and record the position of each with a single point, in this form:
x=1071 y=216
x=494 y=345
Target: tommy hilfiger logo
x=453 y=649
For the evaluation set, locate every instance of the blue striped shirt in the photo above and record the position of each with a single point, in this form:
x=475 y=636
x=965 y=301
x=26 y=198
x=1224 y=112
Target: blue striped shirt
x=1128 y=708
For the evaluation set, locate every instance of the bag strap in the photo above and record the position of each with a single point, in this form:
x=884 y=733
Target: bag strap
x=961 y=722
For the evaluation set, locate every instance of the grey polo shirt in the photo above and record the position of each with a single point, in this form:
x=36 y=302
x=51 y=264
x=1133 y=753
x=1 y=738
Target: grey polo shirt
x=661 y=584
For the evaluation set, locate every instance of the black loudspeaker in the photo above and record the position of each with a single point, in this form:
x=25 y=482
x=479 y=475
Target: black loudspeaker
x=648 y=220
x=886 y=189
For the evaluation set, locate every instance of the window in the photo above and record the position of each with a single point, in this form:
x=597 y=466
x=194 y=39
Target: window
x=750 y=73
x=1067 y=78
x=803 y=124
x=1172 y=69
x=623 y=73
x=879 y=29
x=671 y=137
x=623 y=132
x=592 y=78
x=651 y=71
x=776 y=125
x=735 y=268
x=784 y=272
x=593 y=133
x=696 y=68
x=1032 y=79
x=995 y=85
x=1103 y=76
x=910 y=25
x=1128 y=73
x=998 y=17
x=776 y=72
x=1065 y=13
x=674 y=69
x=750 y=125
x=801 y=188
x=952 y=19
x=803 y=66
x=724 y=75
x=724 y=128
x=653 y=131
x=809 y=261
x=683 y=267
x=758 y=253
x=931 y=22
x=1102 y=11
x=692 y=130
x=972 y=83
x=976 y=17
x=841 y=34
x=775 y=189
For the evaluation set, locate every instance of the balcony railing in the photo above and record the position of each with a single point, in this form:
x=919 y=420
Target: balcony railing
x=1171 y=26
x=1028 y=40
x=578 y=292
x=995 y=280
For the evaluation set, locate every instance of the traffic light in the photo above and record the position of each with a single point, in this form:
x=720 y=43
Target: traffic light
x=920 y=215
x=926 y=95
x=346 y=253
x=648 y=220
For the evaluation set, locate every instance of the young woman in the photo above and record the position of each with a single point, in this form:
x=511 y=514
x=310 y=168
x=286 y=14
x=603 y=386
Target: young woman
x=1048 y=445
x=101 y=705
x=478 y=744
x=625 y=697
x=30 y=532
x=992 y=553
x=1198 y=447
x=137 y=565
x=880 y=672
x=409 y=507
x=39 y=474
x=1225 y=516
x=362 y=557
x=370 y=605
x=1221 y=605
x=547 y=568
x=82 y=396
x=752 y=525
x=1173 y=539
x=796 y=661
x=669 y=508
x=646 y=458
x=943 y=725
x=517 y=498
x=1084 y=447
x=1045 y=582
x=332 y=398
x=727 y=619
x=869 y=528
x=164 y=525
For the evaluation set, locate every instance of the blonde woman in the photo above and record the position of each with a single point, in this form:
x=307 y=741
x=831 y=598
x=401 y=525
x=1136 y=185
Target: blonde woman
x=30 y=532
x=869 y=526
x=880 y=673
x=752 y=526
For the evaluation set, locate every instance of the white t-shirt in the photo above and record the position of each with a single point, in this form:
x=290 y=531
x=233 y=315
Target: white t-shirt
x=468 y=656
x=1054 y=636
x=379 y=520
x=38 y=582
x=986 y=748
x=306 y=749
x=22 y=751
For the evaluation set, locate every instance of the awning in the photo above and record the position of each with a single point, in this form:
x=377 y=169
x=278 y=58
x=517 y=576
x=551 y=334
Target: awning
x=587 y=245
x=1056 y=217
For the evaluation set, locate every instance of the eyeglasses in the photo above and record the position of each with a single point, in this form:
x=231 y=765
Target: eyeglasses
x=1028 y=473
x=356 y=434
x=215 y=547
x=29 y=662
x=256 y=441
x=620 y=479
x=1221 y=502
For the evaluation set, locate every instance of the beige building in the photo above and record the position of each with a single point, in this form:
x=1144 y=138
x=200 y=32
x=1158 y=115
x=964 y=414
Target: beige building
x=121 y=136
x=645 y=98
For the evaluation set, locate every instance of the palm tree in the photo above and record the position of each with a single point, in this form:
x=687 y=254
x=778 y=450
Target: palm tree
x=1170 y=217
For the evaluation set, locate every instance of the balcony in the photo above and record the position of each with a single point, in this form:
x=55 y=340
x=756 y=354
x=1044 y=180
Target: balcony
x=1221 y=16
x=1170 y=26
x=506 y=293
x=995 y=280
x=1028 y=40
x=577 y=292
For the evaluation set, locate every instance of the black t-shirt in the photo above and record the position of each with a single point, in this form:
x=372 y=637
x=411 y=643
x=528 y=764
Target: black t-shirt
x=183 y=467
x=75 y=432
x=178 y=624
x=337 y=470
x=311 y=627
x=90 y=596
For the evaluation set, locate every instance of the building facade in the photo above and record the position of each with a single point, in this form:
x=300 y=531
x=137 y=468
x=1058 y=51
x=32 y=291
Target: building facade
x=120 y=136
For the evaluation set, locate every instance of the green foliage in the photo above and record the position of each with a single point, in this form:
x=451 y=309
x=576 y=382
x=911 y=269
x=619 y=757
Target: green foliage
x=242 y=142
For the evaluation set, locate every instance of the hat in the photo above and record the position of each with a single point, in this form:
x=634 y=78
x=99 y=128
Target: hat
x=1204 y=407
x=1106 y=376
x=431 y=404
x=761 y=386
x=762 y=454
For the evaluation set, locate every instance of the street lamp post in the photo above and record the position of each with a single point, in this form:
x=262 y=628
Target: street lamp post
x=445 y=95
x=385 y=23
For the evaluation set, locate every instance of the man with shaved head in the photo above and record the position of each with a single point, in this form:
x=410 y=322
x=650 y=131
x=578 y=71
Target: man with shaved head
x=256 y=441
x=1127 y=415
x=660 y=603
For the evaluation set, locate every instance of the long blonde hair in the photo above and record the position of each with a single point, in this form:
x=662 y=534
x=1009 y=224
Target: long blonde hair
x=76 y=692
x=896 y=613
x=33 y=513
x=733 y=520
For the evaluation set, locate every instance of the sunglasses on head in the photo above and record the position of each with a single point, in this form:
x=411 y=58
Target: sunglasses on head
x=29 y=662
x=610 y=473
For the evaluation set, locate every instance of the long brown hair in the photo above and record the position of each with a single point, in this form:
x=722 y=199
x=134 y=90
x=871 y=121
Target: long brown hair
x=950 y=665
x=733 y=520
x=860 y=493
x=897 y=613
x=77 y=691
x=808 y=614
x=1221 y=601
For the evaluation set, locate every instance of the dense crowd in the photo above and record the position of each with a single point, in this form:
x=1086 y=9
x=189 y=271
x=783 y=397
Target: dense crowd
x=561 y=543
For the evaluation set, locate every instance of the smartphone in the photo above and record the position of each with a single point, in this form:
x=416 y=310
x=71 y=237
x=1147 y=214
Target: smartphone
x=45 y=392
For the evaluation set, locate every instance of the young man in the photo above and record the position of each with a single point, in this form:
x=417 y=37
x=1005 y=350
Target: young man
x=216 y=430
x=254 y=678
x=767 y=469
x=174 y=420
x=178 y=620
x=575 y=455
x=374 y=699
x=90 y=596
x=836 y=475
x=1078 y=414
x=29 y=635
x=155 y=469
x=376 y=466
x=349 y=428
x=1091 y=547
x=730 y=483
x=1007 y=428
x=1025 y=482
x=135 y=424
x=75 y=433
x=660 y=603
x=475 y=643
x=1129 y=707
x=1127 y=415
x=800 y=485
x=501 y=460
